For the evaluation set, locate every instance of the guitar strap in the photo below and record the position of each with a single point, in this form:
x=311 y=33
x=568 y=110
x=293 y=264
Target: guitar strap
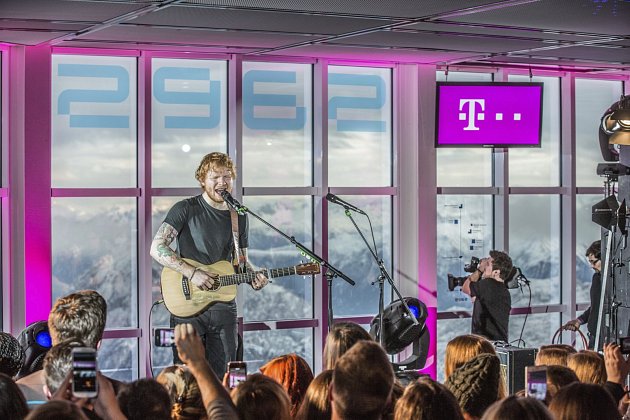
x=239 y=258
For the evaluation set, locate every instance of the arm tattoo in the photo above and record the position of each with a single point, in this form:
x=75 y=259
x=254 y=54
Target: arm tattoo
x=162 y=252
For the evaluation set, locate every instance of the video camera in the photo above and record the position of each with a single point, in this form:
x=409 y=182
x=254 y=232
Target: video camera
x=454 y=282
x=513 y=281
x=472 y=266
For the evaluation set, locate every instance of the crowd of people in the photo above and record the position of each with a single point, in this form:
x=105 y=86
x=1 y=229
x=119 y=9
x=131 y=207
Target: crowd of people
x=358 y=381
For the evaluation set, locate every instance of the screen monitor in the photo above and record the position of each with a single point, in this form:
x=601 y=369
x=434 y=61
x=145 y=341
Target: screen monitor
x=488 y=114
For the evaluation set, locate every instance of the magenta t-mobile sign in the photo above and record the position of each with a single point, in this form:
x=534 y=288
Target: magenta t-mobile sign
x=488 y=114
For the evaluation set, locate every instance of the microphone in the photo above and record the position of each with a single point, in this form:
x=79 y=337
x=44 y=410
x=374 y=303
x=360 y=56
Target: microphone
x=334 y=199
x=232 y=202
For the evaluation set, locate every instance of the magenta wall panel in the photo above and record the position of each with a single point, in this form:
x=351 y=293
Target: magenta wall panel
x=36 y=188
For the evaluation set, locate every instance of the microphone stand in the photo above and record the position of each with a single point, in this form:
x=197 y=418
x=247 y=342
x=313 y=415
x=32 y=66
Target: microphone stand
x=330 y=272
x=381 y=280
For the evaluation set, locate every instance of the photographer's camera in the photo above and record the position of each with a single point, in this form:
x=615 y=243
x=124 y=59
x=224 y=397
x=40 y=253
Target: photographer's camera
x=471 y=267
x=454 y=282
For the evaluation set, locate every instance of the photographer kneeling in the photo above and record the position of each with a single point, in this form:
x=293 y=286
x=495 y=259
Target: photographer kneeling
x=491 y=299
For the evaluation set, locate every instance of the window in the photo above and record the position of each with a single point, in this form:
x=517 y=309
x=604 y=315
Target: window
x=93 y=122
x=277 y=125
x=535 y=246
x=188 y=117
x=348 y=253
x=359 y=127
x=287 y=297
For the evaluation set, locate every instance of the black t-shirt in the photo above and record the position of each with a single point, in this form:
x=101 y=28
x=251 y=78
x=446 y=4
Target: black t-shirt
x=204 y=234
x=491 y=310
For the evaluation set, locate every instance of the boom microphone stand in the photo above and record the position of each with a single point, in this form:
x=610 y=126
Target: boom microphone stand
x=330 y=272
x=384 y=275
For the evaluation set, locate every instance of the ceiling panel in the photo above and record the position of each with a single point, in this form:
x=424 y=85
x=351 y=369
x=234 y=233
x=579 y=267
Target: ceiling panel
x=158 y=47
x=553 y=62
x=202 y=17
x=28 y=37
x=621 y=55
x=610 y=17
x=340 y=52
x=459 y=27
x=443 y=42
x=169 y=36
x=38 y=25
x=63 y=10
x=390 y=8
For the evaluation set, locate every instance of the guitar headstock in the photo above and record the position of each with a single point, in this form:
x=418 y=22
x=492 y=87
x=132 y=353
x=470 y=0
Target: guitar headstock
x=307 y=269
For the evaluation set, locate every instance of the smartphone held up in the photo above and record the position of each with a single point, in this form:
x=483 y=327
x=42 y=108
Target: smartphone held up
x=237 y=373
x=536 y=382
x=84 y=383
x=164 y=337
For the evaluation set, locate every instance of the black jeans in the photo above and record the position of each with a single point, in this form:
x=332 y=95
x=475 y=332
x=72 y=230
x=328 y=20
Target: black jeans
x=219 y=332
x=591 y=340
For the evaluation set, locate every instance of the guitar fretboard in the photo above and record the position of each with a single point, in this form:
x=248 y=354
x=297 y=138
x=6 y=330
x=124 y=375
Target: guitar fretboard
x=248 y=277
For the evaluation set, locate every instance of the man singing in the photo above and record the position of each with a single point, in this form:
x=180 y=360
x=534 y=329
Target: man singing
x=491 y=299
x=203 y=228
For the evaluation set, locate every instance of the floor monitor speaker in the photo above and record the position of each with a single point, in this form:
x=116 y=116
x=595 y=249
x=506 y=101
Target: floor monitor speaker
x=513 y=363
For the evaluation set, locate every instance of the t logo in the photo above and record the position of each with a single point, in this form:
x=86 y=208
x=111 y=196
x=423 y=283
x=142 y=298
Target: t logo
x=471 y=112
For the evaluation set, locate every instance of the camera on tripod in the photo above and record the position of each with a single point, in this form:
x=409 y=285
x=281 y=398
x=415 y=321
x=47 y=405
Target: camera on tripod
x=454 y=282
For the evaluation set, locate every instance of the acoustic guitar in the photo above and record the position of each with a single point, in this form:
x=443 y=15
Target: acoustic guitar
x=183 y=299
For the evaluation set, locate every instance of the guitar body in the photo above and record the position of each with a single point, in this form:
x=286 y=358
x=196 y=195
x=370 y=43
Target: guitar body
x=183 y=299
x=179 y=304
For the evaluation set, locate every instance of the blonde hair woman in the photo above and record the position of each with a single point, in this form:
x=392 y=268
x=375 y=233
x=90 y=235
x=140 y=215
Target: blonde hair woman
x=589 y=367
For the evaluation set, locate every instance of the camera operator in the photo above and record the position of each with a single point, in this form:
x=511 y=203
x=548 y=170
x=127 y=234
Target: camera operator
x=491 y=299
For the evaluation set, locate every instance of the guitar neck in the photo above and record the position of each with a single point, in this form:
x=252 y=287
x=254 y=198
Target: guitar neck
x=233 y=279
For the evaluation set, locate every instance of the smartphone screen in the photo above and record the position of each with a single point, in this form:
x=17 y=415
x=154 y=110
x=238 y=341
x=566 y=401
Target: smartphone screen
x=536 y=382
x=84 y=372
x=164 y=337
x=237 y=373
x=624 y=344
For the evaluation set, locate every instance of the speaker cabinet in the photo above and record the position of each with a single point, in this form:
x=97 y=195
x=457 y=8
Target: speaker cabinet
x=513 y=363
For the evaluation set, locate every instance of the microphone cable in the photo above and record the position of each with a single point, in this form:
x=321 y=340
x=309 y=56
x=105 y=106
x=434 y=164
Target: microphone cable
x=156 y=303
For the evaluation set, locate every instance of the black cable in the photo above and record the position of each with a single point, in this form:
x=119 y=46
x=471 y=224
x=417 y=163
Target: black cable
x=157 y=302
